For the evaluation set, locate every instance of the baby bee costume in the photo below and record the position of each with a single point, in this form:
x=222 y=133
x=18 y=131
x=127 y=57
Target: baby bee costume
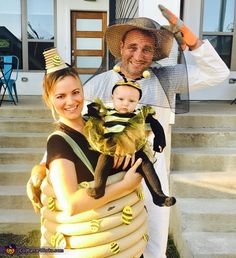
x=108 y=130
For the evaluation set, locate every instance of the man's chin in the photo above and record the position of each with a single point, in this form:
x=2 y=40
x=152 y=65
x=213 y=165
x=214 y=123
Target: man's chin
x=136 y=73
x=137 y=70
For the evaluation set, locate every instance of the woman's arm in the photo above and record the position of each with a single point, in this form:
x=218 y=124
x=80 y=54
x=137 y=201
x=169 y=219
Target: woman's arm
x=63 y=178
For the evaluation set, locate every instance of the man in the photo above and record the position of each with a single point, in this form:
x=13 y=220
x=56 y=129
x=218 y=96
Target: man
x=133 y=44
x=136 y=45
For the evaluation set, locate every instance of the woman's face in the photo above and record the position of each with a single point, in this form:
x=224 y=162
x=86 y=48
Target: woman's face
x=68 y=99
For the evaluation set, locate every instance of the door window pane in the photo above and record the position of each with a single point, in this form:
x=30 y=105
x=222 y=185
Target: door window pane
x=10 y=28
x=88 y=61
x=40 y=19
x=89 y=43
x=218 y=15
x=84 y=77
x=89 y=25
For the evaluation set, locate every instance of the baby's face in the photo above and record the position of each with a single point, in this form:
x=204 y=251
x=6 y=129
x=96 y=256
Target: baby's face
x=125 y=99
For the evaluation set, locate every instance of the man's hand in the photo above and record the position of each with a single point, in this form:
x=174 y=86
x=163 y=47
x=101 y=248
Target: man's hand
x=132 y=178
x=122 y=157
x=126 y=160
x=38 y=173
x=184 y=36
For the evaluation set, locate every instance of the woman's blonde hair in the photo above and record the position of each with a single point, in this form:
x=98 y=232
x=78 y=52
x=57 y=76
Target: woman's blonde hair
x=49 y=82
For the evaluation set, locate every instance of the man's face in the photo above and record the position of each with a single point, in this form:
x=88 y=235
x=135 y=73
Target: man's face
x=137 y=52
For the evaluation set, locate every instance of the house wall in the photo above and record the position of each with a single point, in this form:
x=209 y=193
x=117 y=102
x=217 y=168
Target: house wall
x=149 y=8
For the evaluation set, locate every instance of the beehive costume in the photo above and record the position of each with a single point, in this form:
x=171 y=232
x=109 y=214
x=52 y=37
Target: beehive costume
x=107 y=131
x=117 y=229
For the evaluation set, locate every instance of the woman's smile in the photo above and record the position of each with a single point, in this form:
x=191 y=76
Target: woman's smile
x=68 y=99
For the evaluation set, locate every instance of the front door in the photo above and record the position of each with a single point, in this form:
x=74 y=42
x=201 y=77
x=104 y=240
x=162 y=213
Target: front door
x=87 y=41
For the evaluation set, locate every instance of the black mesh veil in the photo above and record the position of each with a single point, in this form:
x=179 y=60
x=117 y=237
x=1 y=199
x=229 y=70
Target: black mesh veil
x=167 y=85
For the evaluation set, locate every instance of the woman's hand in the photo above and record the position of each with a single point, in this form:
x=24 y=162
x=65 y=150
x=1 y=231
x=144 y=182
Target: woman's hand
x=33 y=193
x=132 y=179
x=38 y=173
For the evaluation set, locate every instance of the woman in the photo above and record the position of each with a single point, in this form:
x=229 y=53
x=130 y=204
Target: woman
x=114 y=225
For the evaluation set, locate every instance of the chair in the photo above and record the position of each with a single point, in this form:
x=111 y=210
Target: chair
x=7 y=81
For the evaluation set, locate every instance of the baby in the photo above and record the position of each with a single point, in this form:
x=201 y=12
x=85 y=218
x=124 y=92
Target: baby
x=122 y=131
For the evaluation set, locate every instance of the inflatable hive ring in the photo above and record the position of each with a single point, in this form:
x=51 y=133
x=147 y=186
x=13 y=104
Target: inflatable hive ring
x=117 y=230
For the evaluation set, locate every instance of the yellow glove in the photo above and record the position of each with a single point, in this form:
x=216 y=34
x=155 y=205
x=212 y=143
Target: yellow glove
x=38 y=173
x=186 y=37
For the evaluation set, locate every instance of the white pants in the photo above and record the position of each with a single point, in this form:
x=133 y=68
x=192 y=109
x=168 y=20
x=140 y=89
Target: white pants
x=158 y=217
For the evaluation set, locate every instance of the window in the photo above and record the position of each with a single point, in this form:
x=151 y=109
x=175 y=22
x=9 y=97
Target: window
x=27 y=29
x=10 y=29
x=218 y=26
x=40 y=31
